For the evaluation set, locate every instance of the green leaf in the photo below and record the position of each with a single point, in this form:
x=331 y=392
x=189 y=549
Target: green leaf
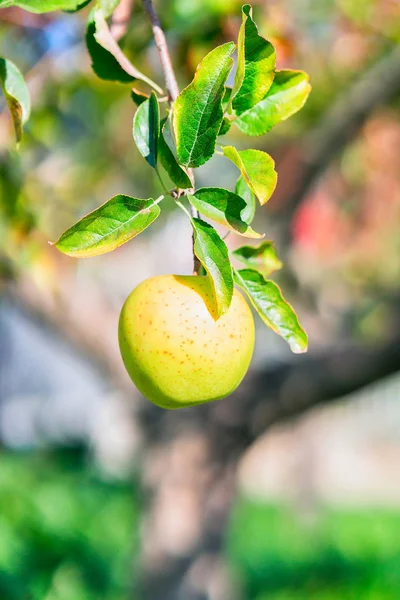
x=277 y=314
x=223 y=207
x=104 y=64
x=169 y=134
x=286 y=96
x=257 y=169
x=243 y=190
x=108 y=60
x=168 y=160
x=225 y=126
x=256 y=65
x=213 y=254
x=198 y=109
x=82 y=4
x=263 y=258
x=226 y=97
x=146 y=129
x=109 y=226
x=42 y=6
x=138 y=97
x=16 y=94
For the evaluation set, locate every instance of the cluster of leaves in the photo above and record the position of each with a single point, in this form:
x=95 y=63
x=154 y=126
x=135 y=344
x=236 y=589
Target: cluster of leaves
x=184 y=138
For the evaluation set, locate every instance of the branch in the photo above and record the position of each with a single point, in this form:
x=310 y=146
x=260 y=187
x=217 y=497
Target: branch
x=280 y=393
x=172 y=89
x=162 y=46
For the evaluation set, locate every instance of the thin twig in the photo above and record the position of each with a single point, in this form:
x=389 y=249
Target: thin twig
x=172 y=88
x=162 y=46
x=196 y=261
x=196 y=215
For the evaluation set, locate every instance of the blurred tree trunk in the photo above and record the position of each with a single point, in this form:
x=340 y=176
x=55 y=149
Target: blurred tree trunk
x=192 y=455
x=191 y=491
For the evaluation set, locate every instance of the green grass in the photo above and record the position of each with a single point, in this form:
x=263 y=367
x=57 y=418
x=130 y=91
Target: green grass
x=65 y=534
x=338 y=555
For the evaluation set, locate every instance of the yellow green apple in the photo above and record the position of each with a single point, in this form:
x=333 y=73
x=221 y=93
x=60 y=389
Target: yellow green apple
x=176 y=352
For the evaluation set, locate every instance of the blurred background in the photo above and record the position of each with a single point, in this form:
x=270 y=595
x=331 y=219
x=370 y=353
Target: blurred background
x=289 y=489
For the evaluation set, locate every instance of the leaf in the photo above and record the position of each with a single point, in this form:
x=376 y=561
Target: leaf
x=176 y=173
x=213 y=254
x=286 y=96
x=16 y=95
x=226 y=97
x=169 y=134
x=108 y=60
x=82 y=4
x=257 y=169
x=198 y=109
x=146 y=129
x=256 y=65
x=42 y=6
x=109 y=226
x=138 y=97
x=243 y=190
x=104 y=64
x=223 y=207
x=225 y=126
x=277 y=314
x=263 y=258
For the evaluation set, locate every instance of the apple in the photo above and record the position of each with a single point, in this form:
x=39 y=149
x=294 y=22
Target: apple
x=174 y=348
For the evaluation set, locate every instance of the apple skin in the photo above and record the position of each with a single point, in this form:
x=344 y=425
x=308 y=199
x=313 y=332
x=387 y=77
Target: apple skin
x=175 y=351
